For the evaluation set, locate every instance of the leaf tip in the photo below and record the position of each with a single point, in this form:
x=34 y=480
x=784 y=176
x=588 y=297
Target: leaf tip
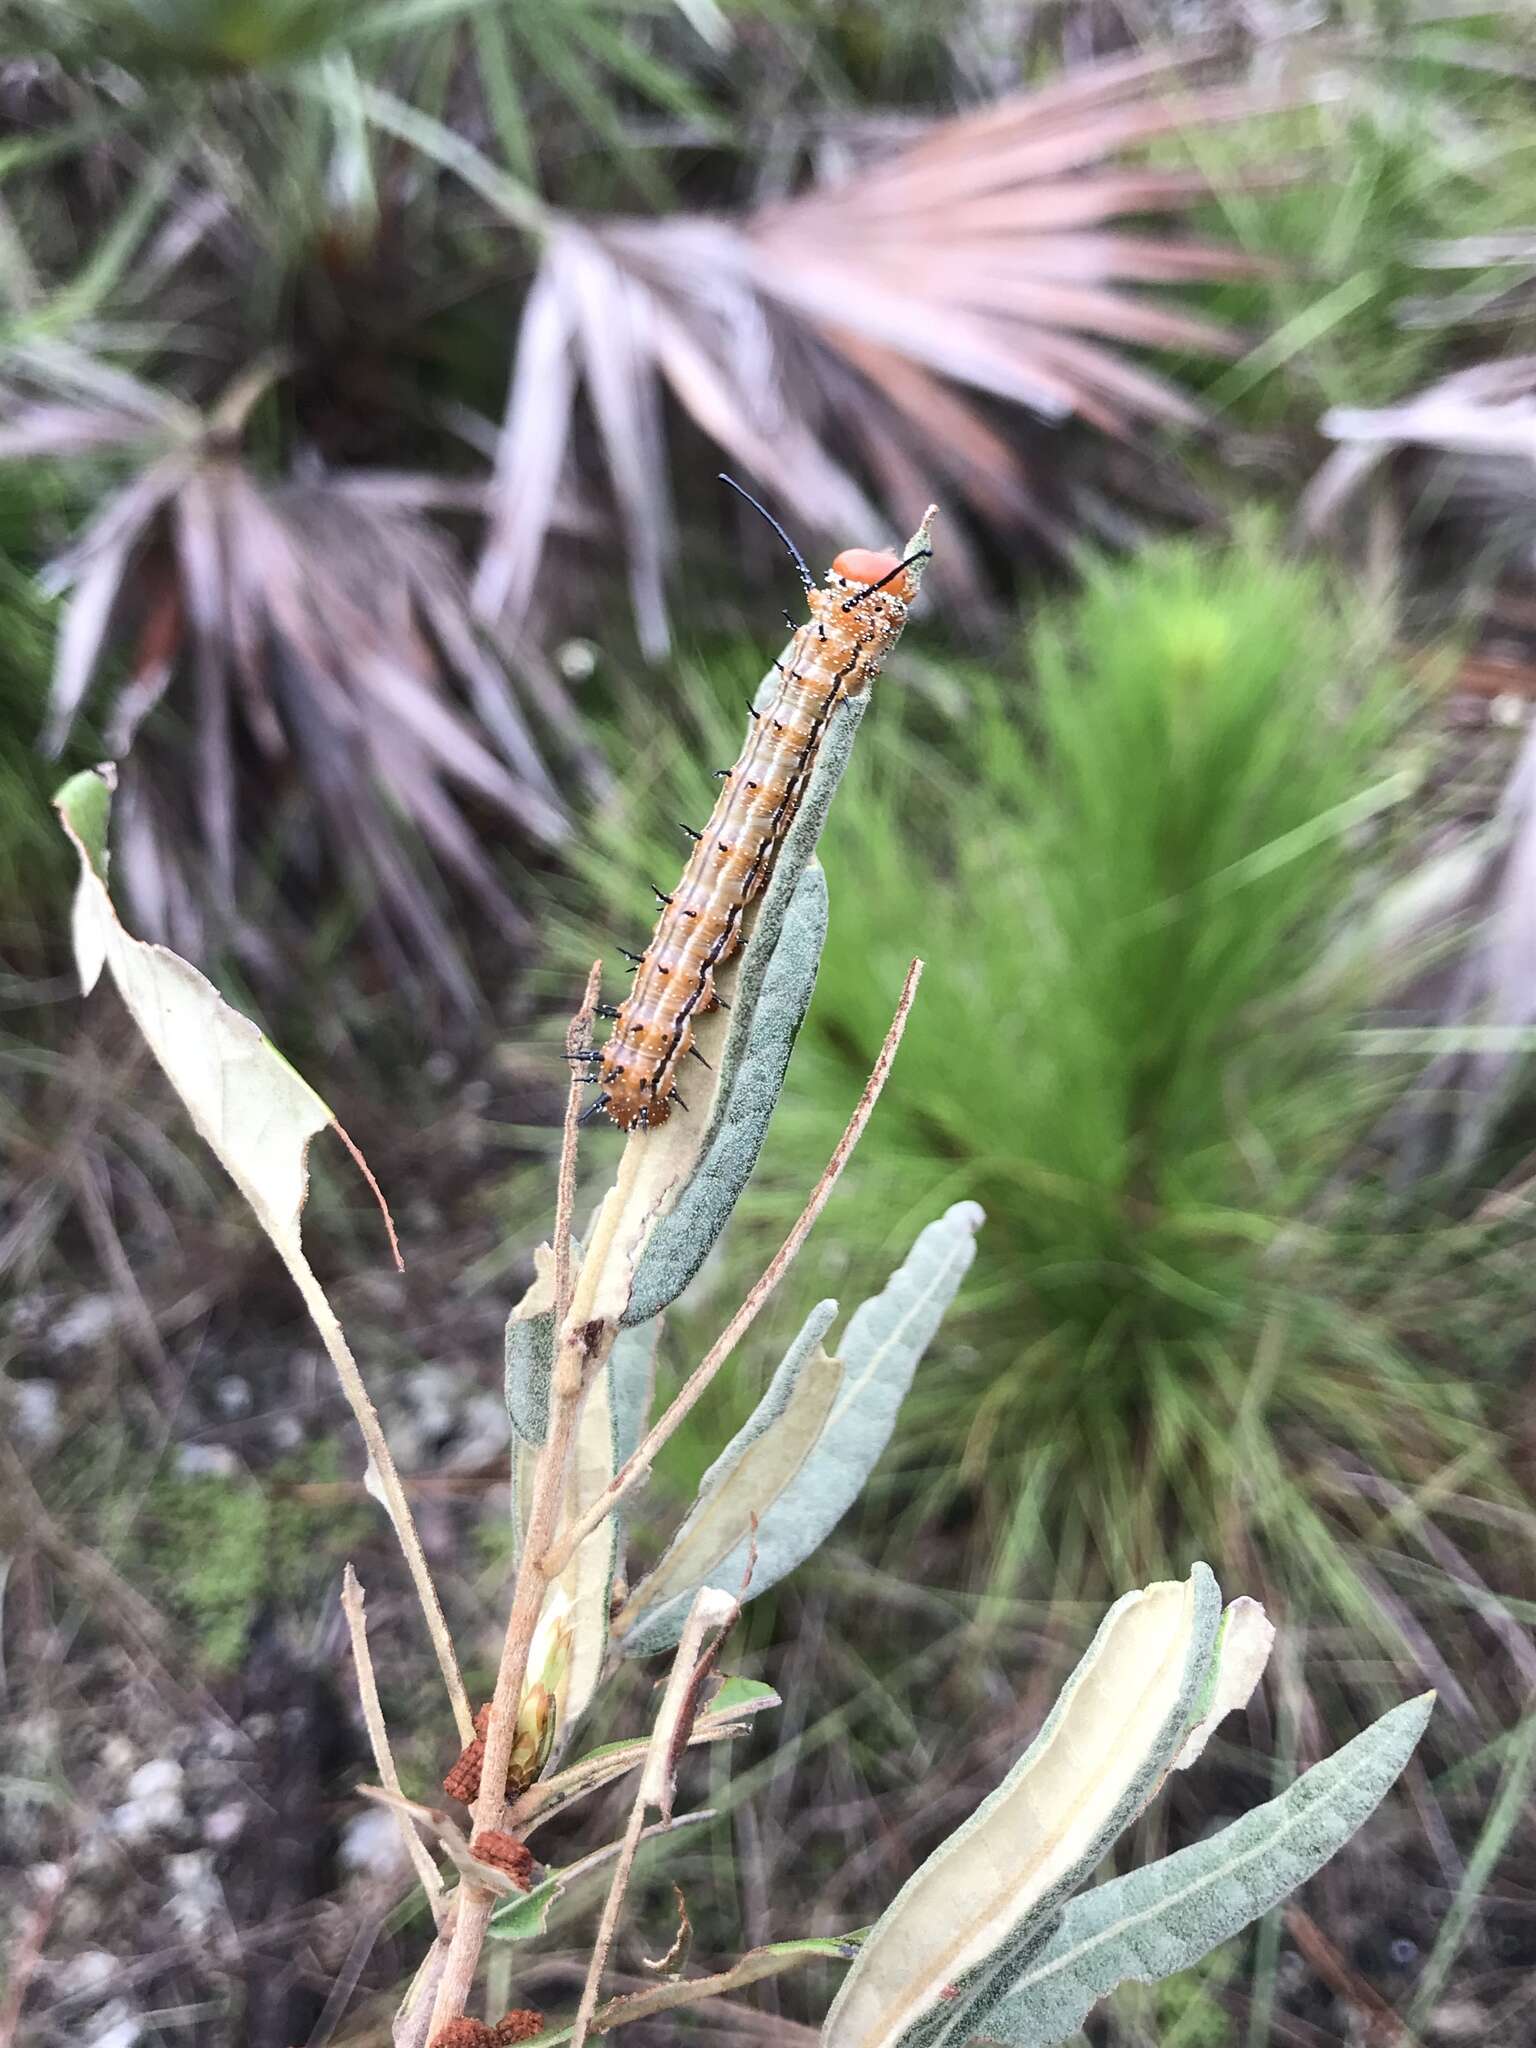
x=84 y=804
x=378 y=1193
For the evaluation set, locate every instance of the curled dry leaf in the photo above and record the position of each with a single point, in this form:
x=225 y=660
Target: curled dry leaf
x=257 y=1115
x=252 y=1108
x=988 y=1893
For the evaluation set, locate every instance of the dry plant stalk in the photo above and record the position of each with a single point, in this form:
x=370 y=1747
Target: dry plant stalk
x=352 y=1603
x=713 y=1612
x=583 y=1346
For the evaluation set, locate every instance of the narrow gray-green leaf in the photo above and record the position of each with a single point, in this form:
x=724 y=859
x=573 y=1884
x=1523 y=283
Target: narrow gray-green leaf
x=798 y=1501
x=1152 y=1922
x=529 y=1351
x=768 y=1006
x=777 y=1402
x=632 y=1375
x=987 y=1895
x=761 y=1460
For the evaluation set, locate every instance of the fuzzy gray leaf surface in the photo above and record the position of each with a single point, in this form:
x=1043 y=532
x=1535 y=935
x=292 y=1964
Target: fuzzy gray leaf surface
x=809 y=1494
x=1164 y=1918
x=772 y=995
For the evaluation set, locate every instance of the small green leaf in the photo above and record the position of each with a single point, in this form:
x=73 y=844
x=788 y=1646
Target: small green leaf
x=802 y=1459
x=522 y=1919
x=739 y=1698
x=1152 y=1922
x=85 y=805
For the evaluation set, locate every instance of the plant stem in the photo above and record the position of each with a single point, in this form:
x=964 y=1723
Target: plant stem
x=396 y=1506
x=581 y=1348
x=378 y=1737
x=712 y=1612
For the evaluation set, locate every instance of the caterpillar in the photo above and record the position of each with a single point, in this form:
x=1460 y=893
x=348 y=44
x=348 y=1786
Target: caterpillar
x=855 y=620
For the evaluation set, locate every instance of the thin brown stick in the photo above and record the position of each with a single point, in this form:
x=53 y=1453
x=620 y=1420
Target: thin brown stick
x=602 y=1941
x=323 y=1316
x=635 y=1469
x=27 y=1953
x=378 y=1737
x=711 y=1610
x=578 y=1355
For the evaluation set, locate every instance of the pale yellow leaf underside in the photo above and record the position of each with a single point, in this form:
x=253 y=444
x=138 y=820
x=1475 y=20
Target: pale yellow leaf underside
x=1247 y=1637
x=749 y=1489
x=970 y=1894
x=257 y=1115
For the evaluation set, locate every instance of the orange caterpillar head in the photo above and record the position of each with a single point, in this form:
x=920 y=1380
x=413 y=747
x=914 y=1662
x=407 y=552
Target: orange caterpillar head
x=857 y=568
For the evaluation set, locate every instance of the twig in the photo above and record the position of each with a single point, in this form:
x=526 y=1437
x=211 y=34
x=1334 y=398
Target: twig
x=395 y=1503
x=579 y=1353
x=26 y=1955
x=602 y=1941
x=712 y=1610
x=378 y=1737
x=410 y=2024
x=635 y=1469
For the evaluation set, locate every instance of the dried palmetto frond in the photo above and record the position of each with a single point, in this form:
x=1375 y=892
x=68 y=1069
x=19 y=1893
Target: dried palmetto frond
x=842 y=345
x=312 y=626
x=1446 y=477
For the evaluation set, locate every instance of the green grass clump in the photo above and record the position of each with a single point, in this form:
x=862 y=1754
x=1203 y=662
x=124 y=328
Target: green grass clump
x=34 y=865
x=1393 y=160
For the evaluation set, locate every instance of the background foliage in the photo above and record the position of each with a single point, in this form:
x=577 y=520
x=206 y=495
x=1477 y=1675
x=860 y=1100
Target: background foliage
x=363 y=375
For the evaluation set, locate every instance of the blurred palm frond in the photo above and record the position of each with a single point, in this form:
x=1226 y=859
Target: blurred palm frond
x=1447 y=472
x=865 y=339
x=320 y=625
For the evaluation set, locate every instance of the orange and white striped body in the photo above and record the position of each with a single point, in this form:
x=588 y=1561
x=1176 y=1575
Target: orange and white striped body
x=837 y=653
